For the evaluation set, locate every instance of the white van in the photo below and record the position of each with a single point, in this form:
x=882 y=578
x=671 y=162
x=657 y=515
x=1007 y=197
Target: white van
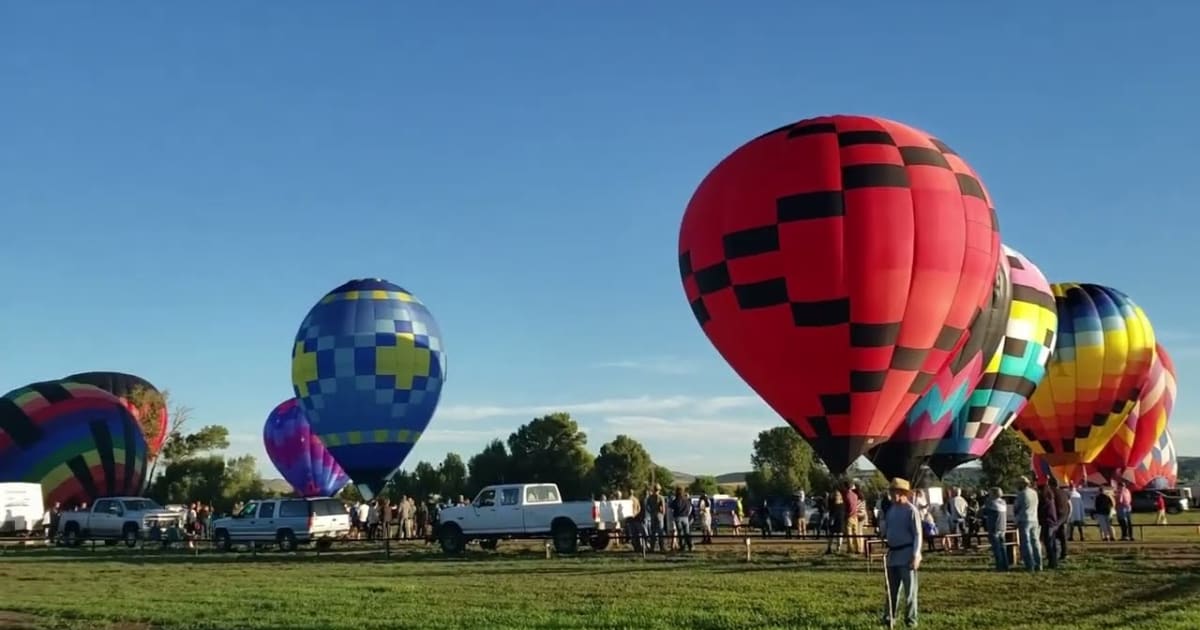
x=285 y=522
x=21 y=508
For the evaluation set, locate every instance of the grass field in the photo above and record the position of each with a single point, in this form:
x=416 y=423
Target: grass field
x=1152 y=585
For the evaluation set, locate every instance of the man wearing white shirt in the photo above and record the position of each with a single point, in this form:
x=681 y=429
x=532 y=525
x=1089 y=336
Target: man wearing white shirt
x=958 y=516
x=1076 y=522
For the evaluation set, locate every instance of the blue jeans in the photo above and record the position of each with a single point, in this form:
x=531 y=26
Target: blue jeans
x=1050 y=539
x=1125 y=520
x=683 y=531
x=657 y=533
x=1031 y=549
x=901 y=577
x=999 y=552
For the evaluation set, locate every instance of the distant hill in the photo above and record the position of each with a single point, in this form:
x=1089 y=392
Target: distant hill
x=277 y=486
x=732 y=479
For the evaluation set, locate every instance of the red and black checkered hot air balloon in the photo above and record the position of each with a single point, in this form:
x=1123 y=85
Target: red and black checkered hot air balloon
x=836 y=264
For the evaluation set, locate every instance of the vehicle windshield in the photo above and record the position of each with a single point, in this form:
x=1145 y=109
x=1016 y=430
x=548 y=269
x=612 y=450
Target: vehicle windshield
x=140 y=505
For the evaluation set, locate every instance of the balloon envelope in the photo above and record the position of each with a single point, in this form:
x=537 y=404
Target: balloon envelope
x=368 y=367
x=836 y=264
x=299 y=455
x=1012 y=373
x=1099 y=368
x=150 y=410
x=1154 y=407
x=78 y=441
x=1158 y=470
x=1118 y=454
x=931 y=417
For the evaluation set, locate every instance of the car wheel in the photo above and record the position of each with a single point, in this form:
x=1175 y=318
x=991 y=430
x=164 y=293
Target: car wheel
x=130 y=536
x=222 y=540
x=566 y=537
x=286 y=540
x=451 y=539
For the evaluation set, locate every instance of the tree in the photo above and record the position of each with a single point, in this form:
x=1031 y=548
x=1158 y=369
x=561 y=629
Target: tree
x=350 y=494
x=1005 y=462
x=489 y=466
x=782 y=464
x=151 y=405
x=623 y=465
x=663 y=476
x=703 y=485
x=552 y=449
x=209 y=438
x=177 y=419
x=453 y=474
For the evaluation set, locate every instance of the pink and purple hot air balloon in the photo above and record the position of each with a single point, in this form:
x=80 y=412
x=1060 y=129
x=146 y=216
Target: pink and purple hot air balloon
x=298 y=453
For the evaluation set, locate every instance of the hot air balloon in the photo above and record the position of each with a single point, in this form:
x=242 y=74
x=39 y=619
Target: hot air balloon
x=1098 y=371
x=931 y=417
x=1118 y=454
x=1078 y=474
x=1159 y=470
x=1154 y=407
x=1011 y=375
x=79 y=441
x=299 y=455
x=368 y=367
x=142 y=398
x=836 y=264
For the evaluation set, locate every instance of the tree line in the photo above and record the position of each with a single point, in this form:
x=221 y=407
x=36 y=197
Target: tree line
x=548 y=449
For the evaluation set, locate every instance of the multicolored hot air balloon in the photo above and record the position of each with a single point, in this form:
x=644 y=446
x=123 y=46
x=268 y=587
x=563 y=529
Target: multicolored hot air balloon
x=836 y=264
x=1078 y=474
x=1159 y=469
x=1011 y=375
x=368 y=367
x=142 y=398
x=299 y=455
x=79 y=441
x=1118 y=454
x=931 y=417
x=1101 y=360
x=1154 y=407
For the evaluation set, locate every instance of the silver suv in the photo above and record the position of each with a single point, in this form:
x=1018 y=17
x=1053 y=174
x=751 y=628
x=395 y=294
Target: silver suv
x=285 y=522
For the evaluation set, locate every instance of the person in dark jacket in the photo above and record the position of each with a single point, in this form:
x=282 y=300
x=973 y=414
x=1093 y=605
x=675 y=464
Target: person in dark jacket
x=681 y=512
x=1062 y=505
x=1048 y=520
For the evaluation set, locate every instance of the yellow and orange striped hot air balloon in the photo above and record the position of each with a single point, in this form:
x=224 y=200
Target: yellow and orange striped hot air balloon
x=1101 y=362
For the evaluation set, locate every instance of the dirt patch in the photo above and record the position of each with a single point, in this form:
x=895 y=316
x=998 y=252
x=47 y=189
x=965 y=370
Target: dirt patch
x=10 y=620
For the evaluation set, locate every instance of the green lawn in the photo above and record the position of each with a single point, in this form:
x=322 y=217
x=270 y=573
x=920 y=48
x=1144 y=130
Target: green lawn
x=1107 y=586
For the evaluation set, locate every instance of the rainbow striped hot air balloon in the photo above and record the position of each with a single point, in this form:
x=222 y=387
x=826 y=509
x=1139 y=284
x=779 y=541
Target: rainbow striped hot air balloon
x=1012 y=373
x=1097 y=373
x=78 y=441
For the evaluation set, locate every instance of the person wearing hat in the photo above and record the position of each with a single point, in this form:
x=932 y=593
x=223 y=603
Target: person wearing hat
x=1025 y=512
x=902 y=536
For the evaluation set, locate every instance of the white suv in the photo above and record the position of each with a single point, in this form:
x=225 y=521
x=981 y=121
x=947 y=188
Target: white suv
x=286 y=522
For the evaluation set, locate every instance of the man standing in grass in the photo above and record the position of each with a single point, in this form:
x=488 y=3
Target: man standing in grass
x=902 y=535
x=1028 y=533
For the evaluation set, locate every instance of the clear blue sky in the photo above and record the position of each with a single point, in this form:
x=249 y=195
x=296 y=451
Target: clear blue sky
x=178 y=184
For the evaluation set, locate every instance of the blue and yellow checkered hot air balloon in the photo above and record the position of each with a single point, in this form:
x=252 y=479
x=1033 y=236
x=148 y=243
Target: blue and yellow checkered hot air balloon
x=368 y=366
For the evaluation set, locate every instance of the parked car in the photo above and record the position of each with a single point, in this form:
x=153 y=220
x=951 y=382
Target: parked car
x=1147 y=501
x=533 y=510
x=285 y=522
x=114 y=519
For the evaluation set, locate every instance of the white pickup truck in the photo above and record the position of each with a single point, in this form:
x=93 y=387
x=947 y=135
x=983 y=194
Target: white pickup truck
x=114 y=519
x=531 y=510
